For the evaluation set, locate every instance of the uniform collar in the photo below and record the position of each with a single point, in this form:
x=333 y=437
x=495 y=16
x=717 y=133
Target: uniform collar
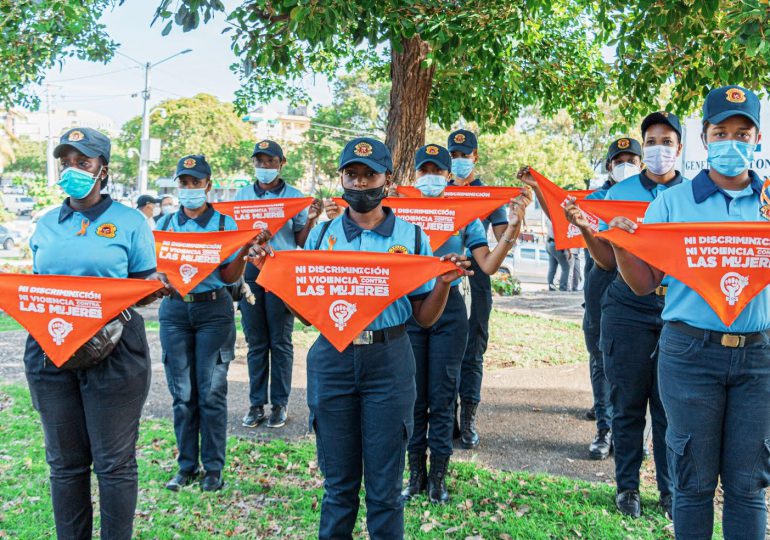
x=91 y=214
x=353 y=230
x=277 y=189
x=201 y=220
x=607 y=185
x=650 y=185
x=704 y=187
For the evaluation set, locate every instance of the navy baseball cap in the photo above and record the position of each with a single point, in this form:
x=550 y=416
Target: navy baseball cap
x=144 y=200
x=463 y=141
x=433 y=153
x=370 y=152
x=87 y=141
x=626 y=145
x=662 y=117
x=271 y=148
x=194 y=165
x=726 y=101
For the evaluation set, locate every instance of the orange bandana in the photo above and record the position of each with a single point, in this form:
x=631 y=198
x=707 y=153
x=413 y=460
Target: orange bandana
x=263 y=214
x=455 y=192
x=187 y=258
x=342 y=292
x=728 y=264
x=439 y=217
x=63 y=312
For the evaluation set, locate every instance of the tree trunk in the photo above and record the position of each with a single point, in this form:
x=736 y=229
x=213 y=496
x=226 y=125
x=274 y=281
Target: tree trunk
x=409 y=93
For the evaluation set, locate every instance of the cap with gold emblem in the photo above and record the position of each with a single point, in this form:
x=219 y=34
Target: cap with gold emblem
x=726 y=101
x=435 y=154
x=463 y=141
x=370 y=152
x=662 y=117
x=268 y=147
x=194 y=165
x=623 y=145
x=87 y=141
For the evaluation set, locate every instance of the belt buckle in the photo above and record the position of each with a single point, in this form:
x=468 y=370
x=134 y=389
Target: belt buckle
x=188 y=298
x=661 y=290
x=364 y=338
x=733 y=341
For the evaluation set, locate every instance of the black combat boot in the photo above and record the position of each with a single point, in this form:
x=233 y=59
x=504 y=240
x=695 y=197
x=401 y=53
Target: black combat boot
x=418 y=476
x=468 y=436
x=437 y=492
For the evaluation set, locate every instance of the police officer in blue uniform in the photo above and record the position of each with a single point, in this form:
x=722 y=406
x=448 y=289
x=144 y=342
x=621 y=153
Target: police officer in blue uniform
x=438 y=349
x=715 y=379
x=197 y=334
x=631 y=325
x=91 y=415
x=268 y=324
x=362 y=400
x=621 y=163
x=463 y=146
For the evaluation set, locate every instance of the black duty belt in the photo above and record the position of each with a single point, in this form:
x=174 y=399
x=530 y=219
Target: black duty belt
x=207 y=296
x=367 y=337
x=733 y=341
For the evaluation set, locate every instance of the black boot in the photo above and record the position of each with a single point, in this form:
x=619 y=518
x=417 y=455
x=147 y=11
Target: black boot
x=468 y=436
x=437 y=492
x=418 y=476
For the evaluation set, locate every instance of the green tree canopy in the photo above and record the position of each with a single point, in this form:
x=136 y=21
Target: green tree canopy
x=36 y=34
x=482 y=60
x=29 y=157
x=198 y=125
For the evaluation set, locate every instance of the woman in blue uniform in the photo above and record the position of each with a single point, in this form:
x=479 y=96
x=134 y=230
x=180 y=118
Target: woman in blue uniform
x=197 y=334
x=714 y=379
x=362 y=400
x=438 y=349
x=91 y=416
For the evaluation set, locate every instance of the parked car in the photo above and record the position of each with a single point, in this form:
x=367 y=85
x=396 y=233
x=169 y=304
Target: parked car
x=527 y=259
x=19 y=204
x=9 y=238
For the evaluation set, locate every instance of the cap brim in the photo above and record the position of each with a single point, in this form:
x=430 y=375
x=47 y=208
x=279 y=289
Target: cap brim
x=724 y=115
x=461 y=148
x=376 y=167
x=435 y=161
x=191 y=172
x=267 y=153
x=83 y=149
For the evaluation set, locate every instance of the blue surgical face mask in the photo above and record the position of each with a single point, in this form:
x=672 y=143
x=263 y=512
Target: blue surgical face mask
x=192 y=198
x=730 y=158
x=462 y=167
x=265 y=176
x=77 y=183
x=431 y=185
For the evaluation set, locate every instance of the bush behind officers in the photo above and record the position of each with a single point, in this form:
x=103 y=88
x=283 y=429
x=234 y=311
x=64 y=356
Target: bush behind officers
x=91 y=416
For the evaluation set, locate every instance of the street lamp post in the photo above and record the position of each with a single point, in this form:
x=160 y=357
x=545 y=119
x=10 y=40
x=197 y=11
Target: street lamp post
x=144 y=157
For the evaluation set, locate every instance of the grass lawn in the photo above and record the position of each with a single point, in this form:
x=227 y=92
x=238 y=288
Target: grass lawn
x=274 y=491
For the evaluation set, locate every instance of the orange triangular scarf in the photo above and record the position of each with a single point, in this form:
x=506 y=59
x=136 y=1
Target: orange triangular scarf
x=607 y=210
x=565 y=235
x=455 y=192
x=63 y=312
x=728 y=264
x=260 y=214
x=439 y=217
x=579 y=193
x=187 y=258
x=342 y=292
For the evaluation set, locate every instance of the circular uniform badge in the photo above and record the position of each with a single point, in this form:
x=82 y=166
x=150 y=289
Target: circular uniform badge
x=398 y=248
x=107 y=230
x=189 y=163
x=75 y=136
x=263 y=145
x=363 y=149
x=624 y=143
x=431 y=150
x=736 y=95
x=459 y=138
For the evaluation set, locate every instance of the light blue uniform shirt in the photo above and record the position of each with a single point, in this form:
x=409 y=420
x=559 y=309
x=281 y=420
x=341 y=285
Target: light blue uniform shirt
x=469 y=237
x=638 y=188
x=392 y=233
x=702 y=200
x=107 y=240
x=206 y=222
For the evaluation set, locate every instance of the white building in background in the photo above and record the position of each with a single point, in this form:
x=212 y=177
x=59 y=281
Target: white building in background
x=34 y=125
x=289 y=127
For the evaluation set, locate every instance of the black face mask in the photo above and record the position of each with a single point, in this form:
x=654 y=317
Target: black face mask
x=364 y=200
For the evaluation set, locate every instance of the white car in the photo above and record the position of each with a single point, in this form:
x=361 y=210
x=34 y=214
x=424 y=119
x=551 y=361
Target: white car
x=527 y=259
x=19 y=204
